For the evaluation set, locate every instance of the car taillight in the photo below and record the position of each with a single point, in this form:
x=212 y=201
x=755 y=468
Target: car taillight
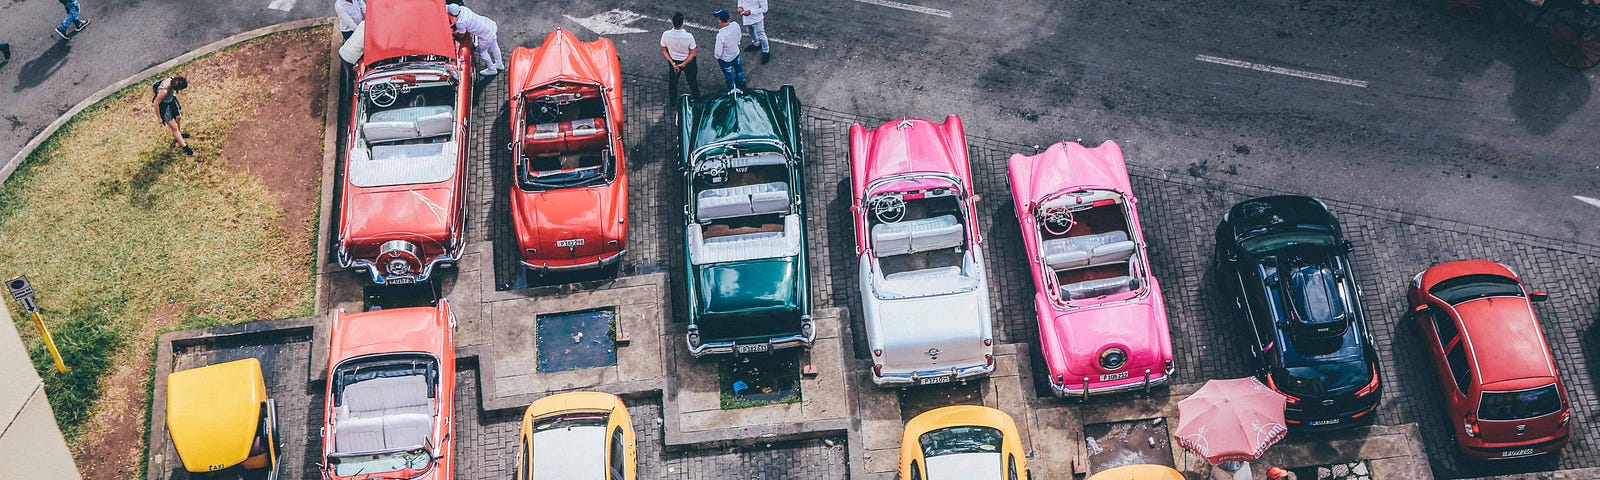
x=1470 y=425
x=988 y=360
x=1291 y=399
x=878 y=352
x=1371 y=387
x=877 y=369
x=1565 y=416
x=988 y=342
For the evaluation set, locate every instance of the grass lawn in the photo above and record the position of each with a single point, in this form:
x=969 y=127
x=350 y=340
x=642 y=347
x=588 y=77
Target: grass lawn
x=125 y=237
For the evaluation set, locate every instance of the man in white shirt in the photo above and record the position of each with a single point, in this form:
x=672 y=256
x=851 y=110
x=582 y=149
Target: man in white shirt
x=727 y=51
x=350 y=13
x=754 y=13
x=678 y=46
x=485 y=36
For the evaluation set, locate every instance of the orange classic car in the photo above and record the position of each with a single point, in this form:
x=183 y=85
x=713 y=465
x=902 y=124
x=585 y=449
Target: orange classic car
x=401 y=212
x=391 y=386
x=569 y=200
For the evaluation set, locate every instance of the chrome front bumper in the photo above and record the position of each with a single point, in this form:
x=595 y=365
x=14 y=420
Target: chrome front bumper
x=603 y=261
x=1150 y=381
x=378 y=278
x=808 y=335
x=913 y=378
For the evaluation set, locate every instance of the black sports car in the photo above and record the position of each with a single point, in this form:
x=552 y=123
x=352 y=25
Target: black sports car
x=1281 y=261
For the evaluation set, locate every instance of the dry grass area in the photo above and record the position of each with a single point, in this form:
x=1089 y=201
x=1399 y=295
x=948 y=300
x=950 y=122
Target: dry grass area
x=125 y=237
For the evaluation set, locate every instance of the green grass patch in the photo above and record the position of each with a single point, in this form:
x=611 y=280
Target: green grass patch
x=113 y=224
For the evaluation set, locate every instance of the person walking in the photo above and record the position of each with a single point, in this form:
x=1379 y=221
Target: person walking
x=727 y=52
x=678 y=46
x=72 y=21
x=350 y=13
x=485 y=36
x=755 y=17
x=166 y=104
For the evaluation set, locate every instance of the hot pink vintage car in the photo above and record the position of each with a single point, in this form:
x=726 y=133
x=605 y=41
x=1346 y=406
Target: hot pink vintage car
x=1102 y=322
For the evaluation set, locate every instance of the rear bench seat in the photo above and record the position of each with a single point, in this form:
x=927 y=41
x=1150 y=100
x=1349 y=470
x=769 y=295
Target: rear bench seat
x=921 y=235
x=408 y=123
x=383 y=414
x=733 y=248
x=1087 y=250
x=758 y=199
x=924 y=282
x=563 y=137
x=1097 y=288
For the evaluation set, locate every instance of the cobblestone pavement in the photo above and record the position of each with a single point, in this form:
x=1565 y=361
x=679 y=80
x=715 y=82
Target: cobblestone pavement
x=1179 y=212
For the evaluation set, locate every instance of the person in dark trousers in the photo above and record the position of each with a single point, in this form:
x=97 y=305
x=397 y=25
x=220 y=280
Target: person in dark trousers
x=166 y=104
x=350 y=13
x=72 y=21
x=678 y=46
x=727 y=52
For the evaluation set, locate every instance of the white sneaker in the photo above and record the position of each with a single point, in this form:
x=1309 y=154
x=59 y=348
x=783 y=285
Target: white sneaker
x=488 y=71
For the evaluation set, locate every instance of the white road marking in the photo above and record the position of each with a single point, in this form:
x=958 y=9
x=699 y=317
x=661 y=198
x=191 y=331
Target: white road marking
x=908 y=7
x=615 y=22
x=1591 y=201
x=1281 y=71
x=284 y=5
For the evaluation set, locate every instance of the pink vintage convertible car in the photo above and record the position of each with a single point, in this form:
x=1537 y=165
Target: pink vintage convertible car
x=1102 y=322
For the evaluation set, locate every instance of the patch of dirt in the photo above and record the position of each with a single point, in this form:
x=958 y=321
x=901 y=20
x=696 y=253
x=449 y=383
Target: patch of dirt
x=281 y=141
x=113 y=442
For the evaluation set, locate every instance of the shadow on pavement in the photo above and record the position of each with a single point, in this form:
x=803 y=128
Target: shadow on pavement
x=38 y=70
x=1544 y=93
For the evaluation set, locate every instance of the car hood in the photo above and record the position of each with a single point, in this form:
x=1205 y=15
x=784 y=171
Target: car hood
x=376 y=217
x=747 y=286
x=909 y=329
x=905 y=146
x=586 y=213
x=562 y=58
x=1068 y=166
x=400 y=28
x=1073 y=340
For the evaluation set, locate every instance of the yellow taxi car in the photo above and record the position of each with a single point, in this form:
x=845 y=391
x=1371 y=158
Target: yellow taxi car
x=222 y=423
x=966 y=442
x=1139 y=472
x=577 y=435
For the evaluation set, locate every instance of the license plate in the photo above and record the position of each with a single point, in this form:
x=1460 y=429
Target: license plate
x=1113 y=376
x=1516 y=453
x=933 y=380
x=402 y=281
x=1319 y=423
x=571 y=242
x=752 y=348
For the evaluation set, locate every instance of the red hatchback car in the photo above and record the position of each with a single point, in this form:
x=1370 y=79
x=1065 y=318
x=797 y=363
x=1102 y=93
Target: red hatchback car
x=1505 y=398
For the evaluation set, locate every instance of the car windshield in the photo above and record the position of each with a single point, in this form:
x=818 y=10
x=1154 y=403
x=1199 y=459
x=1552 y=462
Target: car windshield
x=1519 y=405
x=409 y=463
x=954 y=440
x=1324 y=378
x=1472 y=287
x=1270 y=242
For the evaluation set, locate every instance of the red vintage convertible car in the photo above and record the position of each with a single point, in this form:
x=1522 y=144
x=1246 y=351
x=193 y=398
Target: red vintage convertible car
x=569 y=201
x=390 y=394
x=401 y=212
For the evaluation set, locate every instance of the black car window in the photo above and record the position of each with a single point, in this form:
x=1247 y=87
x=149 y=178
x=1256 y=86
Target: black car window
x=916 y=473
x=1445 y=326
x=1471 y=287
x=954 y=440
x=1326 y=378
x=618 y=459
x=1520 y=405
x=1265 y=243
x=1456 y=359
x=527 y=458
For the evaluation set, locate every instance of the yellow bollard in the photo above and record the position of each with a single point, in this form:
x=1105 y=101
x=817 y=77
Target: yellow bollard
x=22 y=290
x=49 y=343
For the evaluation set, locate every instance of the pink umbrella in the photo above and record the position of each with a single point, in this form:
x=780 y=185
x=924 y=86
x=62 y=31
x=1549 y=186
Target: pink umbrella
x=1230 y=420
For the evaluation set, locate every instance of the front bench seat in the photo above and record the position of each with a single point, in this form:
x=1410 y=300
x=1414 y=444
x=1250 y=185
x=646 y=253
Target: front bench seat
x=921 y=235
x=564 y=137
x=1087 y=250
x=743 y=200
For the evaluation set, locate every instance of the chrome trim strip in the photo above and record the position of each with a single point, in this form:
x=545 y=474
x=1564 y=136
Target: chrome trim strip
x=601 y=262
x=960 y=373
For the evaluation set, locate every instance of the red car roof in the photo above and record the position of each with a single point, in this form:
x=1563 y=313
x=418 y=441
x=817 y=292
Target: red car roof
x=1505 y=339
x=397 y=28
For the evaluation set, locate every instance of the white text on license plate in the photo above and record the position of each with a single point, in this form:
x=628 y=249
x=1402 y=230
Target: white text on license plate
x=1113 y=376
x=571 y=242
x=1318 y=423
x=752 y=348
x=401 y=281
x=1517 y=453
x=933 y=380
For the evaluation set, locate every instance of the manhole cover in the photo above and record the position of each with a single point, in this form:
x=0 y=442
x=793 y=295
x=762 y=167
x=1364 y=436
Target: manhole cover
x=757 y=380
x=1131 y=442
x=576 y=340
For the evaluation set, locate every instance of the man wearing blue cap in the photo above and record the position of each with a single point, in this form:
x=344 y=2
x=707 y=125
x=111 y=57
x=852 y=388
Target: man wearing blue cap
x=727 y=51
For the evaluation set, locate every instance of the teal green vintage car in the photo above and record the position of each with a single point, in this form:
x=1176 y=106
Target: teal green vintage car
x=744 y=214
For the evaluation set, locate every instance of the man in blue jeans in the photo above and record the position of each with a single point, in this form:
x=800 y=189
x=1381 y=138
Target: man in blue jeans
x=72 y=21
x=727 y=51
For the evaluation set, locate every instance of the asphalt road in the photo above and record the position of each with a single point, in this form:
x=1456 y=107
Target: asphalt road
x=1409 y=108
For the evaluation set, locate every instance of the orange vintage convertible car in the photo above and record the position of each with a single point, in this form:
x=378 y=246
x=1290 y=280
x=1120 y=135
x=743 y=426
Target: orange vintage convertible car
x=401 y=213
x=390 y=395
x=570 y=198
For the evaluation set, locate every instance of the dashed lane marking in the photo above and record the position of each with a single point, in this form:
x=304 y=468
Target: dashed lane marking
x=616 y=22
x=1281 y=71
x=908 y=7
x=284 y=5
x=1591 y=201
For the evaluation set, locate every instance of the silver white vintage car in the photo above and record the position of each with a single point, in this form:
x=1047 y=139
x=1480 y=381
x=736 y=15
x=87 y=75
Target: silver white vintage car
x=925 y=293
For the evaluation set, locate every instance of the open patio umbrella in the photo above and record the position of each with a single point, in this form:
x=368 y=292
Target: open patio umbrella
x=1230 y=420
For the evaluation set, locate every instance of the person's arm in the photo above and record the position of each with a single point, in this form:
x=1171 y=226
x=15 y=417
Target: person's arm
x=758 y=7
x=689 y=58
x=161 y=94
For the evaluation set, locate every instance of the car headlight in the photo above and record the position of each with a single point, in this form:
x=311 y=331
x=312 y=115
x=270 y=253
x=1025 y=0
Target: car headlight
x=1113 y=358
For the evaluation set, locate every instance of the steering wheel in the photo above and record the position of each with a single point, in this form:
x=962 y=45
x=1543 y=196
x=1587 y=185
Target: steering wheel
x=1057 y=220
x=383 y=94
x=712 y=168
x=888 y=208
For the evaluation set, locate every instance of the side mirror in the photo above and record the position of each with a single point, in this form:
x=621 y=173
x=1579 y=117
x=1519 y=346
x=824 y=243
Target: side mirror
x=1420 y=309
x=1538 y=296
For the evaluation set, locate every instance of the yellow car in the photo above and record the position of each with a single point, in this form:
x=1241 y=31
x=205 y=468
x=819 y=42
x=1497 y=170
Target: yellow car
x=222 y=423
x=1139 y=472
x=578 y=435
x=962 y=442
